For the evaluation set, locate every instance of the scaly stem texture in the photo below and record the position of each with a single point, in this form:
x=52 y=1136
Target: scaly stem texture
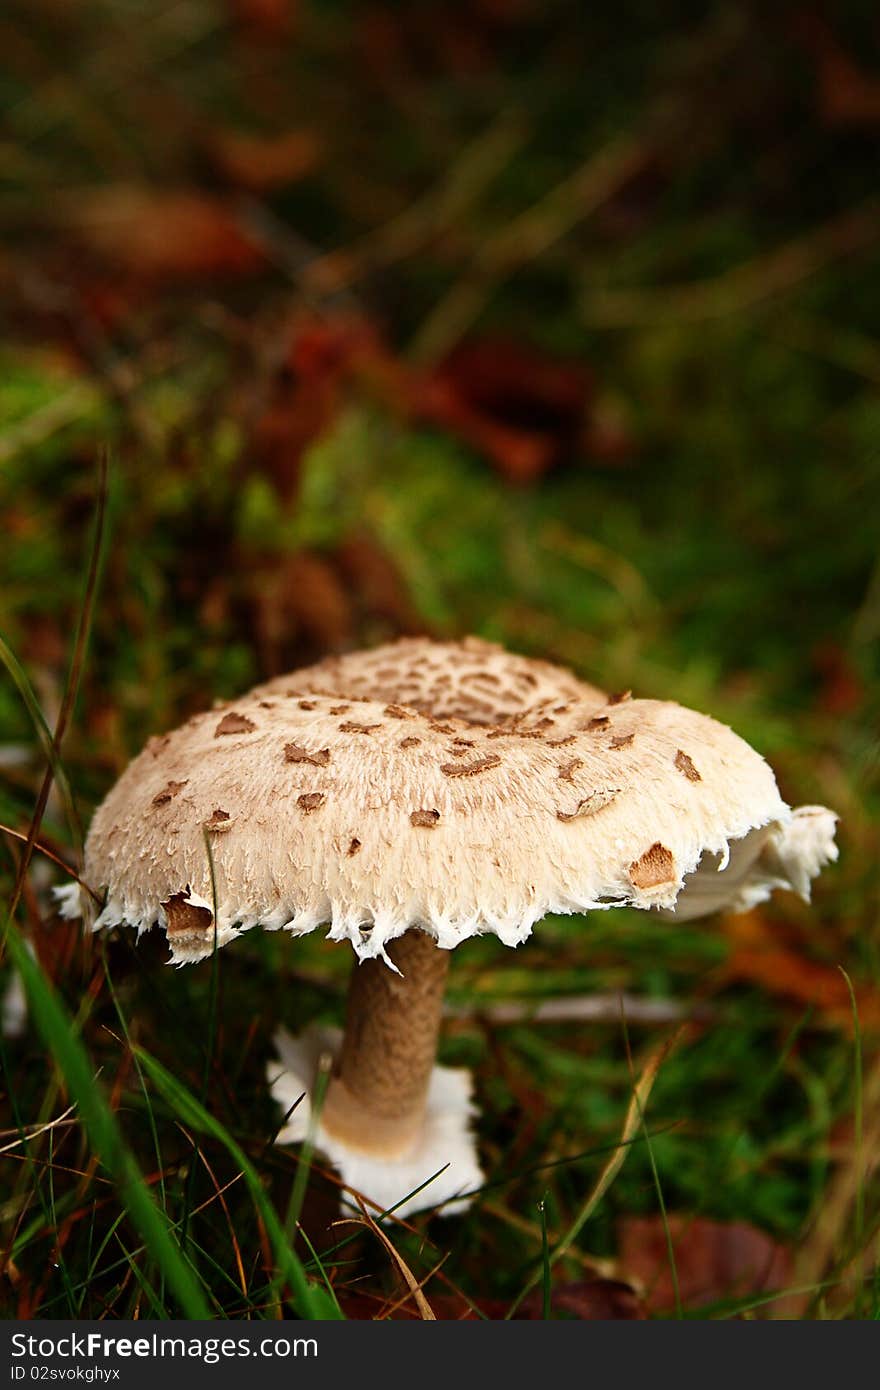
x=376 y=1099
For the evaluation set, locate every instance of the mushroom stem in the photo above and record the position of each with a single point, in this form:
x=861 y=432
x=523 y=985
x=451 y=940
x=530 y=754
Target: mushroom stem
x=376 y=1098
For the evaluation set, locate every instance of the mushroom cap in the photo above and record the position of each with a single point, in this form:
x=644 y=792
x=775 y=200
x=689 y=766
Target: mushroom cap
x=470 y=679
x=372 y=817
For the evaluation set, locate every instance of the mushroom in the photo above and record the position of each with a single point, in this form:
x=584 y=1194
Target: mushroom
x=410 y=829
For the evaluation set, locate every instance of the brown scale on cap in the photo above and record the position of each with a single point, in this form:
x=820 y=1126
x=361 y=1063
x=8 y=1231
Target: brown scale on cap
x=187 y=923
x=354 y=845
x=567 y=770
x=622 y=741
x=427 y=819
x=218 y=820
x=686 y=766
x=590 y=805
x=471 y=769
x=409 y=742
x=655 y=867
x=351 y=728
x=233 y=723
x=168 y=793
x=515 y=733
x=295 y=753
x=310 y=801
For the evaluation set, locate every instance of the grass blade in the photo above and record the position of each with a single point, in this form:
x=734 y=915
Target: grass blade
x=632 y=1123
x=101 y=1127
x=312 y=1300
x=546 y=1286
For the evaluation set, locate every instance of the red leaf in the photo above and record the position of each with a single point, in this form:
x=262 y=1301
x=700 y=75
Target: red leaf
x=842 y=690
x=267 y=20
x=848 y=96
x=522 y=411
x=328 y=358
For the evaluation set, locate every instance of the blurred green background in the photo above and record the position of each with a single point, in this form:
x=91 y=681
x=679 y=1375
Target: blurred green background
x=549 y=322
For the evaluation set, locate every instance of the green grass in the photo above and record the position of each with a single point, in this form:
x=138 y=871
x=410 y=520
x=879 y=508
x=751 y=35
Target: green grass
x=255 y=521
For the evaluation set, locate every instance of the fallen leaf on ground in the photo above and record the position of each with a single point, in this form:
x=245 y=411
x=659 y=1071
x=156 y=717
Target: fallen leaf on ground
x=713 y=1260
x=328 y=358
x=162 y=235
x=268 y=20
x=848 y=95
x=300 y=600
x=260 y=163
x=377 y=584
x=760 y=958
x=590 y=1300
x=523 y=411
x=841 y=689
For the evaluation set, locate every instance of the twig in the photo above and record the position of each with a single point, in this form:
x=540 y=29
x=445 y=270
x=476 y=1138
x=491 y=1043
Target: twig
x=442 y=207
x=34 y=1131
x=839 y=1200
x=585 y=1008
x=56 y=859
x=412 y=1283
x=72 y=686
x=634 y=1120
x=743 y=286
x=527 y=237
x=39 y=426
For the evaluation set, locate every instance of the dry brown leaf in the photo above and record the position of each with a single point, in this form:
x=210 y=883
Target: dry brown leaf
x=523 y=411
x=588 y=1300
x=157 y=234
x=260 y=163
x=267 y=20
x=841 y=689
x=300 y=601
x=848 y=94
x=713 y=1260
x=760 y=957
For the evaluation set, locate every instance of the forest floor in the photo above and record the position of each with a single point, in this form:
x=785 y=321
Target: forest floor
x=491 y=318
